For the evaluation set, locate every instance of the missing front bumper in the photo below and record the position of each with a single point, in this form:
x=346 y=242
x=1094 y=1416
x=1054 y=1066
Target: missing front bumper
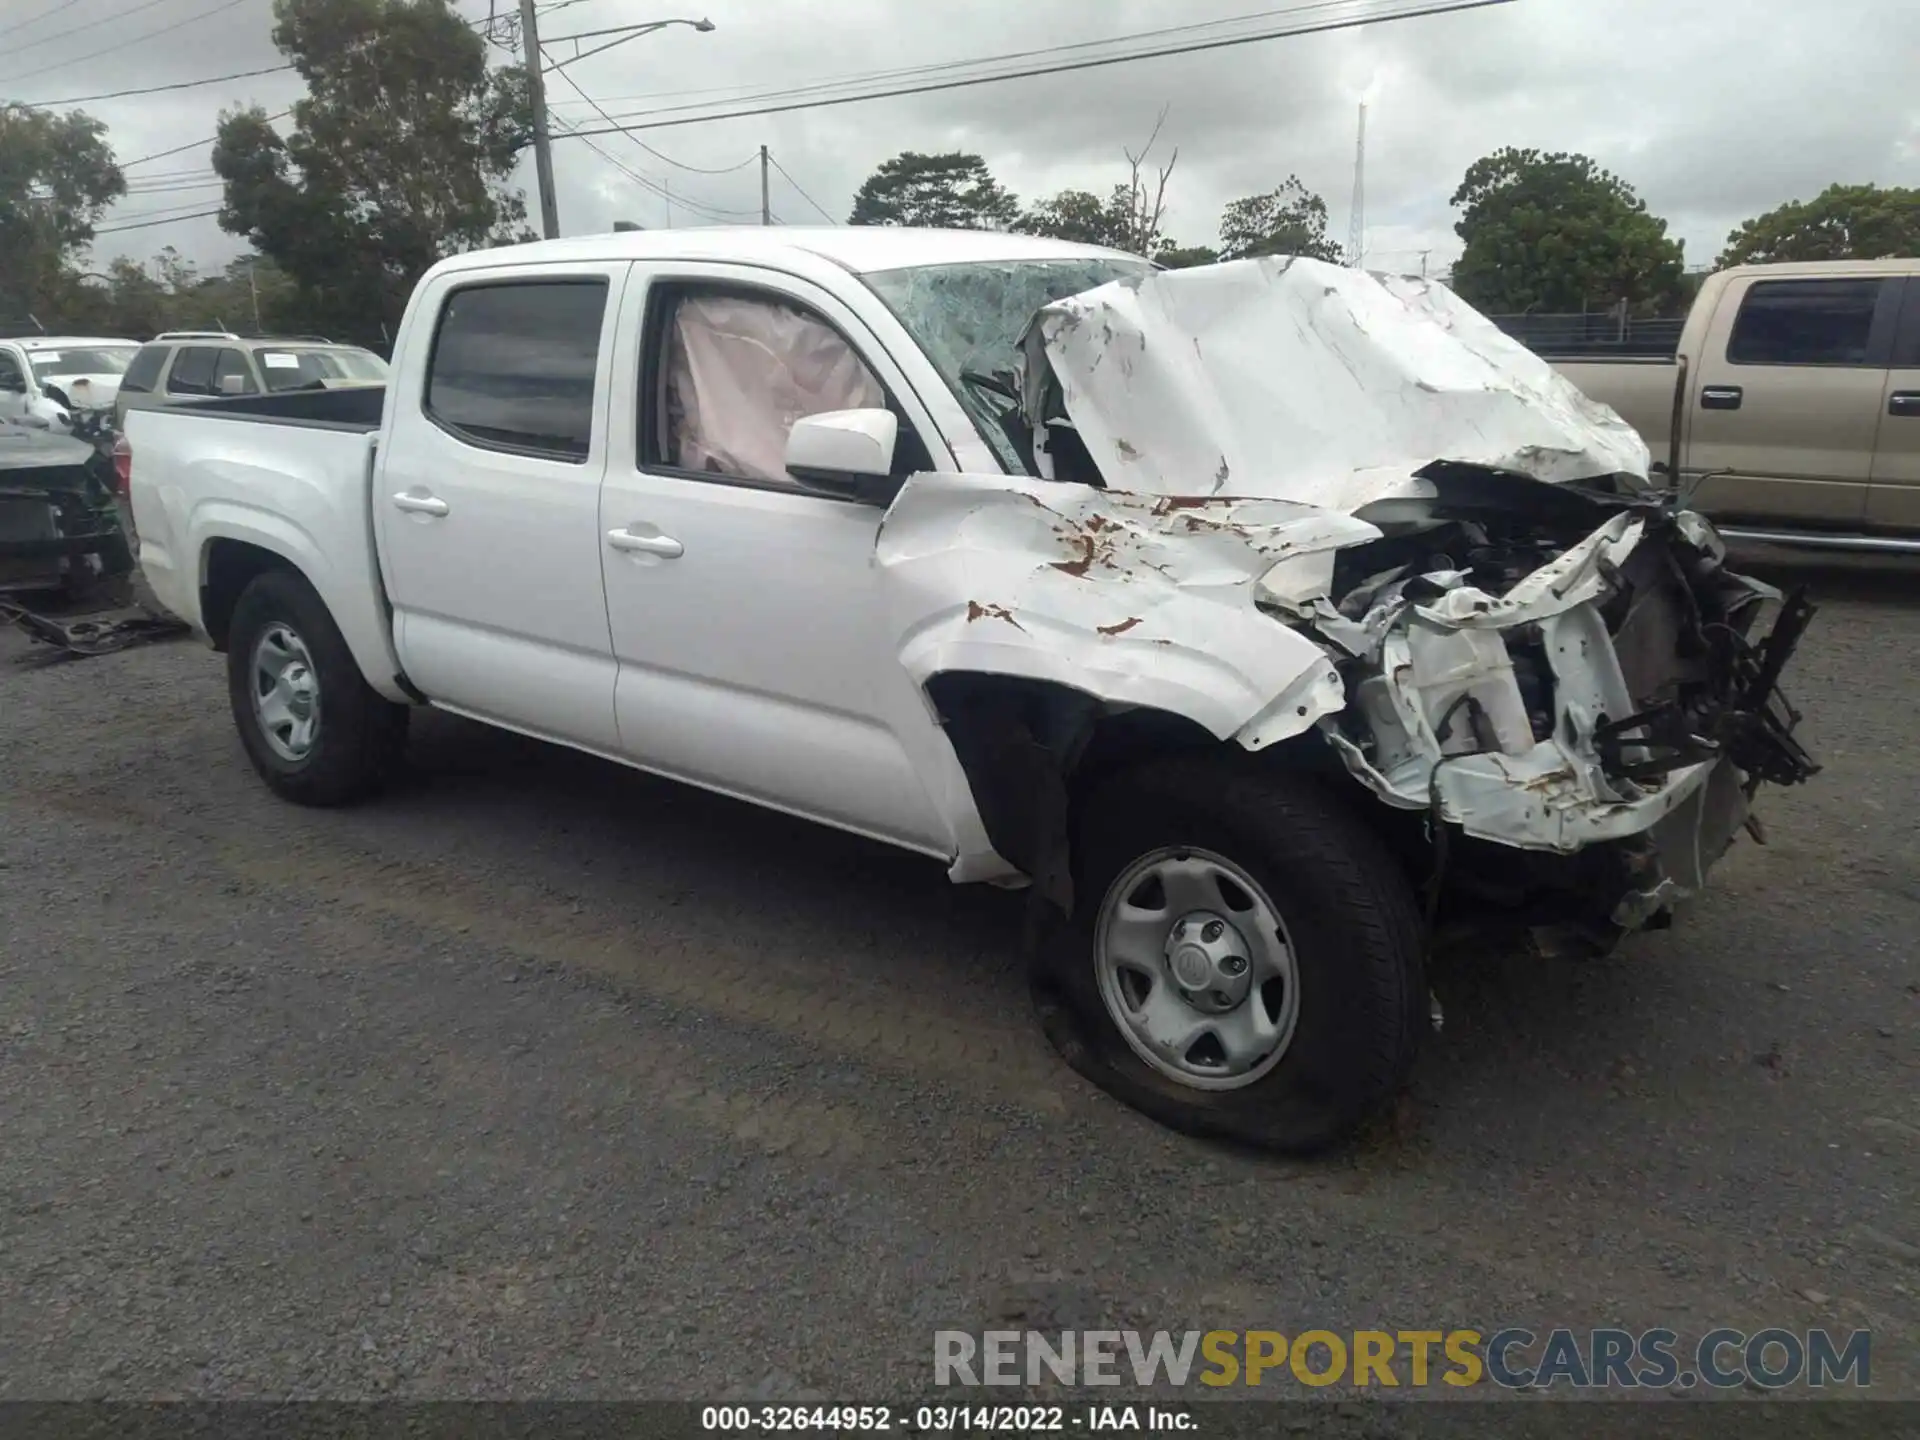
x=1619 y=715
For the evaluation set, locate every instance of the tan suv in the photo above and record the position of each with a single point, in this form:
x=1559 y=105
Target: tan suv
x=185 y=366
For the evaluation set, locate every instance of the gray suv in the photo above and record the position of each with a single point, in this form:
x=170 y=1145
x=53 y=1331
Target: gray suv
x=184 y=366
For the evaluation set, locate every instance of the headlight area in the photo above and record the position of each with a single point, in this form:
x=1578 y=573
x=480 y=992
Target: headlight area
x=1576 y=727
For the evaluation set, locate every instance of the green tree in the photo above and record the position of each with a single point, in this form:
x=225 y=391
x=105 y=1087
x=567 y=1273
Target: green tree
x=399 y=155
x=1843 y=222
x=948 y=192
x=57 y=176
x=1077 y=215
x=1287 y=220
x=1555 y=232
x=1184 y=257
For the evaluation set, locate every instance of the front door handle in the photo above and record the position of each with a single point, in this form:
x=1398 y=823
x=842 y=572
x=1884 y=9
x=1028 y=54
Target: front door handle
x=419 y=504
x=664 y=546
x=1720 y=397
x=1904 y=402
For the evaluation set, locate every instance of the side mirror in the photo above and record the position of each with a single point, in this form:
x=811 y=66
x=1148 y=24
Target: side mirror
x=846 y=453
x=233 y=384
x=13 y=384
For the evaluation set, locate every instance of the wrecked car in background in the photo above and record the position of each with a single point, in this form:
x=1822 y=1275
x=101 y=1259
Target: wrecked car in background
x=1264 y=618
x=58 y=526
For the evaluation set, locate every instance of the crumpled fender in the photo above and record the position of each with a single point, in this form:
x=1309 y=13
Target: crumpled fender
x=1138 y=600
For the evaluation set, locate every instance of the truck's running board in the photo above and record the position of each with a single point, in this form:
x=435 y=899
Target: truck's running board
x=1814 y=540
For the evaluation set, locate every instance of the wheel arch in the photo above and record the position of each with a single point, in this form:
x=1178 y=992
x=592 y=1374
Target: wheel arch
x=235 y=547
x=1032 y=750
x=227 y=567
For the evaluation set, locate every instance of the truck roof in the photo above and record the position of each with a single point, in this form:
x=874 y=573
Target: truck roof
x=861 y=248
x=1904 y=266
x=76 y=342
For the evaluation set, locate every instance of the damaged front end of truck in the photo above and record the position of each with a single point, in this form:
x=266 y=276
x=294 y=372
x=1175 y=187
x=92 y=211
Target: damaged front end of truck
x=1569 y=687
x=1340 y=516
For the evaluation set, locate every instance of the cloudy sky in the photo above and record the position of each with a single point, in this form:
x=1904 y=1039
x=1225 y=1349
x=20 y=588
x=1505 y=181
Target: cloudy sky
x=1715 y=111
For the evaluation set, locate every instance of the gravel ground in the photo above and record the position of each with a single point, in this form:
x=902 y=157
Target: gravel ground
x=542 y=1078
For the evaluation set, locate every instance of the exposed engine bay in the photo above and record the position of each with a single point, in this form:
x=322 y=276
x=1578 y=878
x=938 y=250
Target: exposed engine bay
x=1494 y=620
x=1620 y=691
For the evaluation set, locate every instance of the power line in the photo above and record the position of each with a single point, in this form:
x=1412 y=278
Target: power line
x=803 y=194
x=149 y=224
x=48 y=14
x=668 y=159
x=90 y=25
x=646 y=182
x=157 y=89
x=160 y=187
x=713 y=212
x=190 y=145
x=587 y=99
x=941 y=66
x=661 y=119
x=135 y=40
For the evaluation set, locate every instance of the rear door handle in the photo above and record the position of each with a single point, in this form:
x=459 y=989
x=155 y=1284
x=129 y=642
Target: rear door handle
x=664 y=546
x=1720 y=397
x=1904 y=402
x=419 y=504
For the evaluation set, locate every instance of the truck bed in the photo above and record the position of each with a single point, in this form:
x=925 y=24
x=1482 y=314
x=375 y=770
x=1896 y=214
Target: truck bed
x=294 y=482
x=354 y=407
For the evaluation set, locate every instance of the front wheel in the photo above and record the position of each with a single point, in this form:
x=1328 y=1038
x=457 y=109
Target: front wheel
x=1245 y=959
x=314 y=729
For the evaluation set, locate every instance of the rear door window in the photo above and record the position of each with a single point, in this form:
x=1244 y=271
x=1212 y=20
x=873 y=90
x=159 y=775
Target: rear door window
x=514 y=365
x=193 y=370
x=1808 y=322
x=144 y=371
x=231 y=375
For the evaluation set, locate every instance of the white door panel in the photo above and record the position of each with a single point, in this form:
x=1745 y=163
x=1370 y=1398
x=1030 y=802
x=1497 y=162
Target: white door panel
x=754 y=652
x=492 y=552
x=757 y=659
x=538 y=687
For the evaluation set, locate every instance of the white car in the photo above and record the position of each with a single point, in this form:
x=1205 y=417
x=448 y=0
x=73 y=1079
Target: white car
x=1257 y=616
x=44 y=379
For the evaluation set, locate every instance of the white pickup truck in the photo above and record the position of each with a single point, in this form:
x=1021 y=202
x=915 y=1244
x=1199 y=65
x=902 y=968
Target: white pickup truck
x=1264 y=617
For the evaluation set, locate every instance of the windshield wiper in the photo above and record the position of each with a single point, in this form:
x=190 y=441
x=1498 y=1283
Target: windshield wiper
x=992 y=384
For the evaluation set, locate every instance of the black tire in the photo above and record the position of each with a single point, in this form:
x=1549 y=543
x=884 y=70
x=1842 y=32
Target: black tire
x=1347 y=907
x=361 y=735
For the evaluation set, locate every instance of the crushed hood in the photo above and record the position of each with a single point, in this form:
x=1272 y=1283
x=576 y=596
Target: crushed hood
x=1293 y=379
x=26 y=448
x=89 y=392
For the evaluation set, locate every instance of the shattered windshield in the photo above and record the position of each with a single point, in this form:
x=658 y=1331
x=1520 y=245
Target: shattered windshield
x=969 y=319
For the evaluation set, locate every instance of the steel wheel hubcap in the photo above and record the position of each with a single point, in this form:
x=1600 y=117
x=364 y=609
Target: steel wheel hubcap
x=1196 y=969
x=286 y=692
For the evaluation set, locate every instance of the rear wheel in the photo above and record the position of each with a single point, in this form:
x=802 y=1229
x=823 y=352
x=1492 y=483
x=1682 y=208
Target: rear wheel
x=1245 y=960
x=314 y=729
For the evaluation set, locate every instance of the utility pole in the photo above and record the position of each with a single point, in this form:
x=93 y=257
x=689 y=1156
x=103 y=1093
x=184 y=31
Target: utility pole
x=253 y=290
x=542 y=140
x=1357 y=221
x=766 y=205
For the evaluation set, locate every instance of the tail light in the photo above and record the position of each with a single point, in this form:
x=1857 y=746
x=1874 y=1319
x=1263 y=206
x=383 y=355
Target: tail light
x=122 y=466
